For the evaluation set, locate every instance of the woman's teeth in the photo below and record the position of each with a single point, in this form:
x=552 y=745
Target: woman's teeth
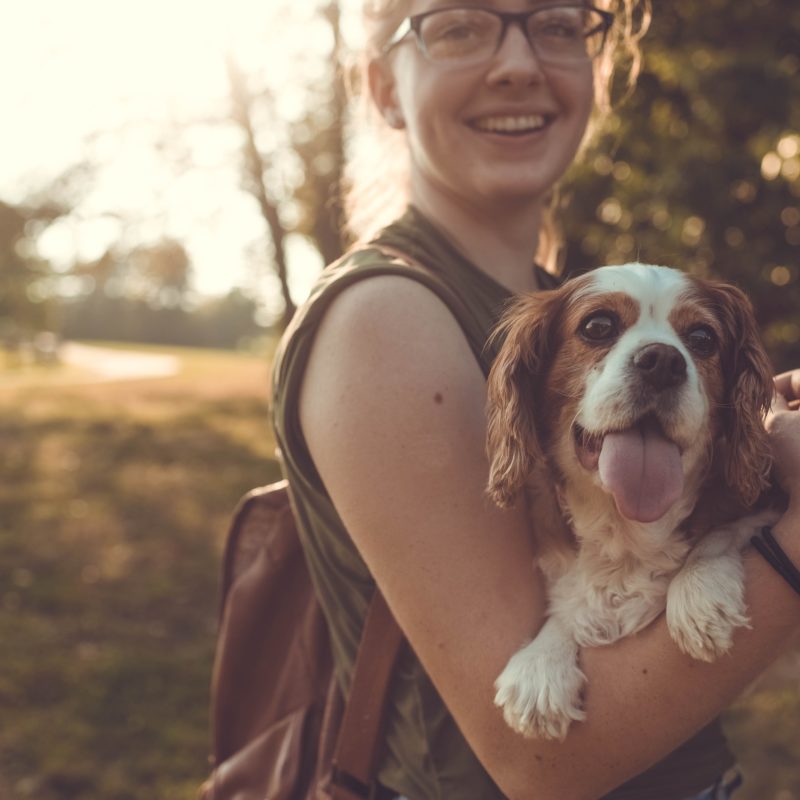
x=531 y=122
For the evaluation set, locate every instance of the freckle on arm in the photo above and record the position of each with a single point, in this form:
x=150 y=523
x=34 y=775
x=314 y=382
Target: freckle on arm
x=438 y=399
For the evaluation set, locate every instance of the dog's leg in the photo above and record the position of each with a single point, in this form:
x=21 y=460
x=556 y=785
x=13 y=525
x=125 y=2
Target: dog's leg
x=539 y=691
x=705 y=599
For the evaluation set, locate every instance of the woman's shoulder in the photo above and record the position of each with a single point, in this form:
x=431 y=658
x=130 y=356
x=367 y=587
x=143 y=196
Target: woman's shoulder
x=391 y=321
x=372 y=268
x=365 y=332
x=376 y=288
x=381 y=345
x=359 y=272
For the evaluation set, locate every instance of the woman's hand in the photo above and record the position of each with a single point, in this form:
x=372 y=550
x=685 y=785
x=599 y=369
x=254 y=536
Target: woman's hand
x=788 y=384
x=783 y=425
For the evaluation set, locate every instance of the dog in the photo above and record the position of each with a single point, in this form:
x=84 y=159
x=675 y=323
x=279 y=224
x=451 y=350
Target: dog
x=628 y=404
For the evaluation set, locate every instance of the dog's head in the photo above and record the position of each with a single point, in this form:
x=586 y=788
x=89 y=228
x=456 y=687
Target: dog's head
x=626 y=381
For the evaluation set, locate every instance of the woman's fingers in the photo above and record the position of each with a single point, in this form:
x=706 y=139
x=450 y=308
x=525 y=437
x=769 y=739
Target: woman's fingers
x=788 y=384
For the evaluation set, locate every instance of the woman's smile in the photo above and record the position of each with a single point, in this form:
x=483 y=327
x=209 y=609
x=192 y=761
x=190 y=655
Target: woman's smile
x=511 y=124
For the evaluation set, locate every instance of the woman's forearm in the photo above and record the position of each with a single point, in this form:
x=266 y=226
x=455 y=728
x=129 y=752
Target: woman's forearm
x=644 y=697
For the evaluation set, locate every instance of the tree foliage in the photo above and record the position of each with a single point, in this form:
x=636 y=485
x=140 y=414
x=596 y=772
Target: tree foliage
x=701 y=167
x=162 y=270
x=224 y=322
x=144 y=295
x=22 y=309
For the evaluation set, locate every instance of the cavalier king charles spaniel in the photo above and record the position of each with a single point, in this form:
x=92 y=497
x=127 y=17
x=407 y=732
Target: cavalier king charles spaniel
x=628 y=405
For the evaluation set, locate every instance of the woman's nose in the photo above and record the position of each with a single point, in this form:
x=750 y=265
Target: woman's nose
x=515 y=60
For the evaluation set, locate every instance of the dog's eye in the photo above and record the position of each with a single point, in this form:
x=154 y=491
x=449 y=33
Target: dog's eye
x=701 y=340
x=599 y=327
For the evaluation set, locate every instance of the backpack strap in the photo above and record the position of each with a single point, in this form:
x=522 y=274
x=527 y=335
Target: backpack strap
x=355 y=759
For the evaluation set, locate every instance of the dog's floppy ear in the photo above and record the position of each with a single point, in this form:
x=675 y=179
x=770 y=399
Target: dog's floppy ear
x=513 y=446
x=748 y=394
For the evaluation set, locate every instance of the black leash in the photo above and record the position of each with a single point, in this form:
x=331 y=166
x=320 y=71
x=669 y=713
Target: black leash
x=772 y=552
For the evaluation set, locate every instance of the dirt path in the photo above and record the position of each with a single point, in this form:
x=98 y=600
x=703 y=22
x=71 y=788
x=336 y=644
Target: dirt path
x=106 y=364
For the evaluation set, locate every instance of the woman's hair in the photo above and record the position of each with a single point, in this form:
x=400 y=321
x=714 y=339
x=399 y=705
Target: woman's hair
x=376 y=175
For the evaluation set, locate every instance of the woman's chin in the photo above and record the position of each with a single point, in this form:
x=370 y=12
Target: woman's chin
x=515 y=191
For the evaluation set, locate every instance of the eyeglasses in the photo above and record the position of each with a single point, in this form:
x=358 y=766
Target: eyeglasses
x=568 y=33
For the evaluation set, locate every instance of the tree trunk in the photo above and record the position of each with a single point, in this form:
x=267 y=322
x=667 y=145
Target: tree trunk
x=255 y=167
x=329 y=221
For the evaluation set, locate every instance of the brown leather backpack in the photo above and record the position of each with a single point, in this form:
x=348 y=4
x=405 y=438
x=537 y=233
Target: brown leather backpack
x=281 y=729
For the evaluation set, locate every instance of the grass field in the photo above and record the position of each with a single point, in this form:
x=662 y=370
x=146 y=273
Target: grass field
x=114 y=499
x=113 y=502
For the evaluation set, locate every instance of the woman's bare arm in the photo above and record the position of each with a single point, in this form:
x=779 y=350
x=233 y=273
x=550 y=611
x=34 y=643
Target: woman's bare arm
x=392 y=408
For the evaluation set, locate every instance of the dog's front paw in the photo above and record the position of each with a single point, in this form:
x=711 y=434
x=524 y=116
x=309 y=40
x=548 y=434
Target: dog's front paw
x=705 y=605
x=540 y=693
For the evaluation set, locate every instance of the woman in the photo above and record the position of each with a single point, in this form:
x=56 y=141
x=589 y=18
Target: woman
x=379 y=410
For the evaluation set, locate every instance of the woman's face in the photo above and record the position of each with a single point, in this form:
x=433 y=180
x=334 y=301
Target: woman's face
x=492 y=134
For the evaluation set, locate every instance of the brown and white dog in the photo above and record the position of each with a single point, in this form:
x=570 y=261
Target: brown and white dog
x=629 y=405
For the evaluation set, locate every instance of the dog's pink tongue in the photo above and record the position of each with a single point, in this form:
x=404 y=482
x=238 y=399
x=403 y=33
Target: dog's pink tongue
x=642 y=469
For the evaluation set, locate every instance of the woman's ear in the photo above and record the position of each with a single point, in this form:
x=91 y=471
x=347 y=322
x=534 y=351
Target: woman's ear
x=382 y=89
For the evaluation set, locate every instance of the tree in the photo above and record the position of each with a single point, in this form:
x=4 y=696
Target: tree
x=23 y=310
x=160 y=272
x=311 y=204
x=226 y=321
x=135 y=295
x=701 y=168
x=254 y=169
x=319 y=141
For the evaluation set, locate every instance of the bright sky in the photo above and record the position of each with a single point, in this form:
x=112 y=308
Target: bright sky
x=116 y=82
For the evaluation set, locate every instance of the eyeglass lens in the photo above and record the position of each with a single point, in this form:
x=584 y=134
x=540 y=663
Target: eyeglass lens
x=561 y=33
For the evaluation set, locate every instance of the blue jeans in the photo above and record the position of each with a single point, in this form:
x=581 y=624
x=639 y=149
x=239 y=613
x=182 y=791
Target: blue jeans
x=723 y=789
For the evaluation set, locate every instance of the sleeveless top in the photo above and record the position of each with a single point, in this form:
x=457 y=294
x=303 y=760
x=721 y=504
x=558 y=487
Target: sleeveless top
x=425 y=756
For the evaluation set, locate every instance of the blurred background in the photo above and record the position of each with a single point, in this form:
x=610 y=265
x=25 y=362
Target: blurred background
x=168 y=191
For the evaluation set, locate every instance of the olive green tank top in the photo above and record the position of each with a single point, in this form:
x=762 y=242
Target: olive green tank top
x=425 y=755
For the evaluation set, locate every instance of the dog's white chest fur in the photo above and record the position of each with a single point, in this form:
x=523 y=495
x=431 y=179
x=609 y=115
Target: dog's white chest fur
x=602 y=598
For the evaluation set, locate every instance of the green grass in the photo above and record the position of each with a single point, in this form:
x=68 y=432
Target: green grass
x=114 y=500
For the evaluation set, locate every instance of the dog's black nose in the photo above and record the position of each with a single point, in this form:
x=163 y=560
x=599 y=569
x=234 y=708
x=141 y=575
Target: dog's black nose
x=661 y=365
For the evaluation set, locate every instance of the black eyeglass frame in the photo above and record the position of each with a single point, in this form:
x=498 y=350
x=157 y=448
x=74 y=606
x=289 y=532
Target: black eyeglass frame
x=413 y=24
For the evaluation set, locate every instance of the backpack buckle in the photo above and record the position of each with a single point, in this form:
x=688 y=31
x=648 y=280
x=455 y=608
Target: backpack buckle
x=347 y=787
